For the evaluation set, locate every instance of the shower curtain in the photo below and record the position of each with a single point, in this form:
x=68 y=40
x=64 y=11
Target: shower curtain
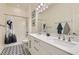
x=10 y=37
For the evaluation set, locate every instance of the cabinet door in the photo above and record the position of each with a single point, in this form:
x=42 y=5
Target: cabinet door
x=30 y=44
x=43 y=48
x=37 y=46
x=33 y=45
x=35 y=51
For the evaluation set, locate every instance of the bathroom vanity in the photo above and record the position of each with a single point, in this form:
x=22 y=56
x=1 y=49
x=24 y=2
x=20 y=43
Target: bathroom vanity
x=40 y=44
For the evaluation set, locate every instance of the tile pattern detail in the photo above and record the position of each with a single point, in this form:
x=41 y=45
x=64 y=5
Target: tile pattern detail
x=15 y=50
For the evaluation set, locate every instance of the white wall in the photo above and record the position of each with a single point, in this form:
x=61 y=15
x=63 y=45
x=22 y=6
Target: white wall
x=61 y=13
x=2 y=28
x=55 y=14
x=19 y=28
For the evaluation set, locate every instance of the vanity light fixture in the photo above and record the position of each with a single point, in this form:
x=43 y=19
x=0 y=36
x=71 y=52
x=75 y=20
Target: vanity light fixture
x=41 y=7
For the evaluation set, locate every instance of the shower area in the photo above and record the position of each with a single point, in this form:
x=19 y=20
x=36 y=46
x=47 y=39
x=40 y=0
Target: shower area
x=16 y=29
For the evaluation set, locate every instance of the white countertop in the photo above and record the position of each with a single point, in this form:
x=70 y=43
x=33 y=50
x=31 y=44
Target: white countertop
x=70 y=47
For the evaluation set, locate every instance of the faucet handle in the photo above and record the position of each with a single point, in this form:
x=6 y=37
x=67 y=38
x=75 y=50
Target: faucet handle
x=69 y=39
x=63 y=37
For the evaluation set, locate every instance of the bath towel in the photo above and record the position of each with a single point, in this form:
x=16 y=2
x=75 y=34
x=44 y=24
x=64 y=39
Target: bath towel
x=66 y=29
x=59 y=28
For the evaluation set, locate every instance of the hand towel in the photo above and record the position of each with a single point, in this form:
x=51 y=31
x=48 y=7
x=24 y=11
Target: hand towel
x=59 y=28
x=66 y=29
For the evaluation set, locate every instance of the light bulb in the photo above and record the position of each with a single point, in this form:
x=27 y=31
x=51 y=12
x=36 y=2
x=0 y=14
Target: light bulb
x=41 y=10
x=37 y=9
x=39 y=6
x=44 y=8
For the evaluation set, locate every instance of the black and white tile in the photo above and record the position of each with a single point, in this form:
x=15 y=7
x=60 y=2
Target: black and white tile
x=15 y=50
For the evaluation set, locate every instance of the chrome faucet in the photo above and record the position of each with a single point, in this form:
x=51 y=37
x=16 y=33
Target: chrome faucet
x=59 y=36
x=69 y=39
x=63 y=37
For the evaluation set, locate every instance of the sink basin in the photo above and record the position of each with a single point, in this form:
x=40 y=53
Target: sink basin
x=68 y=44
x=63 y=43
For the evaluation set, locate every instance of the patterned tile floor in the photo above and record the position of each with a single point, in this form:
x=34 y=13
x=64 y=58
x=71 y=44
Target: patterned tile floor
x=15 y=50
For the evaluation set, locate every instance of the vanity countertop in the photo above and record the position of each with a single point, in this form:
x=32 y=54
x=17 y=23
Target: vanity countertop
x=70 y=47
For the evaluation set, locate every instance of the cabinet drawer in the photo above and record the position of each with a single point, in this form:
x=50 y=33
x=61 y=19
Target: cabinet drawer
x=36 y=41
x=35 y=51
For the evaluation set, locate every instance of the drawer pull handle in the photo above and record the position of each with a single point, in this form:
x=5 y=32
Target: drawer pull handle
x=36 y=41
x=36 y=49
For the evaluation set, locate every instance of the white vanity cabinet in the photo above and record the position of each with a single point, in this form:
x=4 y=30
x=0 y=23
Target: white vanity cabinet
x=39 y=47
x=33 y=46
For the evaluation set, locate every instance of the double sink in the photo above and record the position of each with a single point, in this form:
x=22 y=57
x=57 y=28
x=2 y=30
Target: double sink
x=54 y=39
x=62 y=42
